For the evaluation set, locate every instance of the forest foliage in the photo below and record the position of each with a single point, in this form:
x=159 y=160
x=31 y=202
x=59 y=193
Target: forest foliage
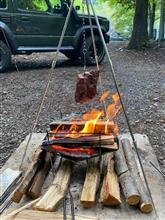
x=123 y=14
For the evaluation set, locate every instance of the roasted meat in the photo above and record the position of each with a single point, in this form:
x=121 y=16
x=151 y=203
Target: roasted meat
x=86 y=87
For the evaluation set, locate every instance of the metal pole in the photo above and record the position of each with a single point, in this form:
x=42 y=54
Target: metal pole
x=49 y=79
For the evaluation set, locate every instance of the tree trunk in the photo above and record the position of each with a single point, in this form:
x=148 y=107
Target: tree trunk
x=162 y=21
x=139 y=38
x=152 y=8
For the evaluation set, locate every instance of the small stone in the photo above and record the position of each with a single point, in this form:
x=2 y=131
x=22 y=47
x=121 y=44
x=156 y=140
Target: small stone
x=156 y=99
x=148 y=120
x=156 y=146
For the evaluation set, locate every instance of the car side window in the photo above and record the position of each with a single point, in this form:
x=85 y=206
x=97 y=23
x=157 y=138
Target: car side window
x=3 y=4
x=33 y=5
x=56 y=5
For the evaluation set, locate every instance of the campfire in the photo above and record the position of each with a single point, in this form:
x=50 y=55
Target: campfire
x=92 y=135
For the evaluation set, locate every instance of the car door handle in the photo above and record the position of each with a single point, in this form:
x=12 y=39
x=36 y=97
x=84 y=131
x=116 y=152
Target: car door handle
x=24 y=19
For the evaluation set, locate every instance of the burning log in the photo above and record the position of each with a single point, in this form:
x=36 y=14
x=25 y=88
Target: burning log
x=86 y=87
x=99 y=126
x=145 y=202
x=93 y=140
x=56 y=191
x=36 y=186
x=127 y=183
x=110 y=191
x=23 y=186
x=92 y=179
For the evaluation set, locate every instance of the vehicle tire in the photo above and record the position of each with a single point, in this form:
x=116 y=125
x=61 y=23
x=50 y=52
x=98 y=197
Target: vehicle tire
x=5 y=57
x=72 y=55
x=90 y=57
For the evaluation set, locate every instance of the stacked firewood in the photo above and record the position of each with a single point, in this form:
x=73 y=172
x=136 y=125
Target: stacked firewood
x=34 y=177
x=123 y=168
x=121 y=171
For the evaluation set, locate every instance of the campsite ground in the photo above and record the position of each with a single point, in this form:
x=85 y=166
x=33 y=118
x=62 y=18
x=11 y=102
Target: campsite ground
x=141 y=77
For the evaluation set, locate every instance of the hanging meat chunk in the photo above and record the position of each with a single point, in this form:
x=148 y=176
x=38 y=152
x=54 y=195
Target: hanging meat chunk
x=86 y=87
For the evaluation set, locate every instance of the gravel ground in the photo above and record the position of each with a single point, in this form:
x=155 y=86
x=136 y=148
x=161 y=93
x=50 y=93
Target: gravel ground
x=141 y=77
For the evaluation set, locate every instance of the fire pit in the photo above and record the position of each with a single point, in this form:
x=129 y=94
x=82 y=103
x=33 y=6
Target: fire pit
x=79 y=139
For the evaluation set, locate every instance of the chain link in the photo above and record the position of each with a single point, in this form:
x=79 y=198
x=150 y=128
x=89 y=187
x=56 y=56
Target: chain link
x=84 y=35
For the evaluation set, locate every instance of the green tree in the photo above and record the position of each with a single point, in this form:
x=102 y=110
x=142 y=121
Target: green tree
x=162 y=21
x=152 y=11
x=139 y=38
x=122 y=15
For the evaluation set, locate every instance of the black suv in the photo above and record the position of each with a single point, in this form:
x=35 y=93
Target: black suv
x=28 y=26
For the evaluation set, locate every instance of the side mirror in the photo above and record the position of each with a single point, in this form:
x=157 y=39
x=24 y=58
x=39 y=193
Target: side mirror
x=77 y=8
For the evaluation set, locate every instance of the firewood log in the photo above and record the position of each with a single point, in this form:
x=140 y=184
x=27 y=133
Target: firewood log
x=110 y=191
x=99 y=126
x=17 y=211
x=23 y=186
x=92 y=179
x=36 y=186
x=56 y=192
x=126 y=181
x=83 y=141
x=145 y=201
x=38 y=215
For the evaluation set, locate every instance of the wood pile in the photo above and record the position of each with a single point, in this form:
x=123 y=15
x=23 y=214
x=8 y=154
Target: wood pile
x=121 y=178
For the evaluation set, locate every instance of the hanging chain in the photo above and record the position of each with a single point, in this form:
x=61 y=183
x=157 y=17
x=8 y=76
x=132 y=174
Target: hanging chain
x=84 y=36
x=95 y=53
x=123 y=106
x=93 y=37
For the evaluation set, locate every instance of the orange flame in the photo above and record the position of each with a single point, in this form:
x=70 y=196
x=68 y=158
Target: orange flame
x=94 y=116
x=90 y=125
x=104 y=96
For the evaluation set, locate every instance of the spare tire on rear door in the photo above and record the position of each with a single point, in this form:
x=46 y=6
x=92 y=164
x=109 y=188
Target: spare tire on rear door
x=5 y=57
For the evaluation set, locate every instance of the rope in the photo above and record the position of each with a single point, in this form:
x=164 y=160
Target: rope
x=122 y=104
x=49 y=79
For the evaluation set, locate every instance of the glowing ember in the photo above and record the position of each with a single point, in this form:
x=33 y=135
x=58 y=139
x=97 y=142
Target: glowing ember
x=73 y=150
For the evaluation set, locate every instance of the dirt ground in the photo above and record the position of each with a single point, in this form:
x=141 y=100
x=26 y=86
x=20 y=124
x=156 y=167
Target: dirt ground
x=141 y=77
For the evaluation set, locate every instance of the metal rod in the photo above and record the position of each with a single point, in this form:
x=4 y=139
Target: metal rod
x=49 y=80
x=64 y=208
x=71 y=206
x=157 y=169
x=122 y=104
